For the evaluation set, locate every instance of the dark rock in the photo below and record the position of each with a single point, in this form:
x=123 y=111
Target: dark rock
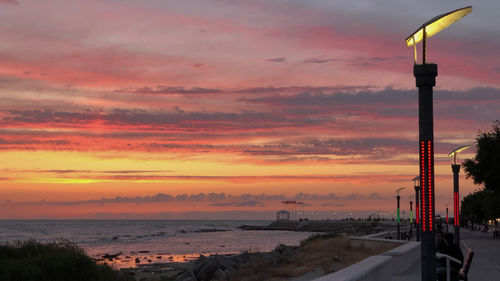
x=277 y=258
x=219 y=274
x=241 y=258
x=200 y=260
x=110 y=257
x=206 y=269
x=225 y=263
x=187 y=276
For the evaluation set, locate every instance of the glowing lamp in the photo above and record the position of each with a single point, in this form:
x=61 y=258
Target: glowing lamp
x=456 y=151
x=434 y=26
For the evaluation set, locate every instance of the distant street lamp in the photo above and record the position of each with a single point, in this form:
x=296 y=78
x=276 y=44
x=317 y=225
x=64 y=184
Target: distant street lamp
x=411 y=215
x=416 y=185
x=425 y=75
x=447 y=217
x=397 y=199
x=456 y=197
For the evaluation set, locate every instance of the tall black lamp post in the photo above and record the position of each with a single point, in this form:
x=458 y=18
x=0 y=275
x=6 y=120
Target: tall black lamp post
x=411 y=215
x=456 y=196
x=398 y=216
x=447 y=217
x=418 y=217
x=425 y=75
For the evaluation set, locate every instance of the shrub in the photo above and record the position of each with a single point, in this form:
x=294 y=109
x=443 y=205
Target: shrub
x=318 y=237
x=60 y=260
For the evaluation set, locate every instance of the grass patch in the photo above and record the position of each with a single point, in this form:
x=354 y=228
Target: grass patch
x=321 y=251
x=318 y=236
x=60 y=260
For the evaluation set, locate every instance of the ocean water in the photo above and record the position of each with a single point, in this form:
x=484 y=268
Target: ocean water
x=150 y=241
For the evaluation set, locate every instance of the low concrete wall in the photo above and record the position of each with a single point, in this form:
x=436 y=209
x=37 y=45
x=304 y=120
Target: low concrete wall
x=403 y=257
x=372 y=243
x=373 y=268
x=380 y=267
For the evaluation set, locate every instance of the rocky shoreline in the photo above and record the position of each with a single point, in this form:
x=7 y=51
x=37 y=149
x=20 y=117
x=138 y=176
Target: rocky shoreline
x=314 y=256
x=310 y=260
x=334 y=252
x=205 y=268
x=348 y=227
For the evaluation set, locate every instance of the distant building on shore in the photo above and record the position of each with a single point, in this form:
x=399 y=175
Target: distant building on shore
x=282 y=215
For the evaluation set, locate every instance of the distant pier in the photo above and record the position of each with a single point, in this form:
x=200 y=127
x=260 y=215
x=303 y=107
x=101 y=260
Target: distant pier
x=335 y=226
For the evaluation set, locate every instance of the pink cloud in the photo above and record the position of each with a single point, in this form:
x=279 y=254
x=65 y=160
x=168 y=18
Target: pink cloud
x=9 y=2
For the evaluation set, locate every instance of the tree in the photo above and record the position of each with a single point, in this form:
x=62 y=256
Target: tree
x=485 y=167
x=481 y=205
x=471 y=206
x=484 y=204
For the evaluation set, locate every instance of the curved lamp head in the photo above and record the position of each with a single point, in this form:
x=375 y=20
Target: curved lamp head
x=416 y=180
x=456 y=151
x=434 y=26
x=401 y=188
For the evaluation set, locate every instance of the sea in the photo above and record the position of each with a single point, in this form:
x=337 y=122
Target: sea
x=130 y=243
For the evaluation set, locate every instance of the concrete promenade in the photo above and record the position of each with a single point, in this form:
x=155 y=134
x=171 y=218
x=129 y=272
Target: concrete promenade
x=485 y=265
x=486 y=262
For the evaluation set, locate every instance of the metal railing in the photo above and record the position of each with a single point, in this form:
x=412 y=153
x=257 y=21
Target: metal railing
x=448 y=259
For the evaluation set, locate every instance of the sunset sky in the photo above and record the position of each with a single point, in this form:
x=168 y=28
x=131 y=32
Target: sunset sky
x=222 y=109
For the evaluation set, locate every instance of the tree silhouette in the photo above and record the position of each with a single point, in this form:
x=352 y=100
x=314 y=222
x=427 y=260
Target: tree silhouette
x=484 y=204
x=485 y=167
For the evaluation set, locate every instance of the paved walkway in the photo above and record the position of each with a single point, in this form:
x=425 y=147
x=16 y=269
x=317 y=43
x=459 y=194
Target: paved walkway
x=486 y=261
x=485 y=264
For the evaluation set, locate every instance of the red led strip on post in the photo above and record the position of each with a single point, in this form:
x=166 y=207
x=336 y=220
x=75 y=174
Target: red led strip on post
x=454 y=208
x=429 y=206
x=422 y=184
x=456 y=211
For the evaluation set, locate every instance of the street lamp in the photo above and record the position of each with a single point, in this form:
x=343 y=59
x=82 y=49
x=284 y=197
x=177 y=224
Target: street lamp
x=397 y=199
x=447 y=217
x=456 y=198
x=416 y=184
x=425 y=75
x=411 y=215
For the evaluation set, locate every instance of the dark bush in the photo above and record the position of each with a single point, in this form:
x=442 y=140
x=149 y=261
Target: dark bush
x=318 y=236
x=60 y=260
